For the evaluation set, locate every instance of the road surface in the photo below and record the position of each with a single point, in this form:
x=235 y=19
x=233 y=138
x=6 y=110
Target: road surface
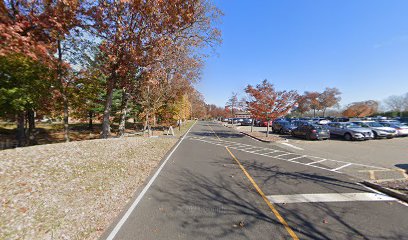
x=219 y=184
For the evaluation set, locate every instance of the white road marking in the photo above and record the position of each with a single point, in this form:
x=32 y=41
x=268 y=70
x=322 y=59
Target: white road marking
x=329 y=197
x=346 y=165
x=316 y=162
x=245 y=147
x=302 y=156
x=292 y=146
x=283 y=155
x=137 y=200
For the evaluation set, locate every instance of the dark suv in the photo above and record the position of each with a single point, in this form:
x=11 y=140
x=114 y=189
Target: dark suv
x=282 y=126
x=311 y=131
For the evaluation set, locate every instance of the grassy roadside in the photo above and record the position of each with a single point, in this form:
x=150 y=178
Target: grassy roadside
x=73 y=190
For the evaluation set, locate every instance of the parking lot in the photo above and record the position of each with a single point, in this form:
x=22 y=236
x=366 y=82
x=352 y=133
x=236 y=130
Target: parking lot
x=391 y=154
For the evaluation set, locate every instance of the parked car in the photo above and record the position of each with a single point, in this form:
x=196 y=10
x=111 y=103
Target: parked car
x=297 y=123
x=350 y=131
x=321 y=121
x=311 y=132
x=263 y=123
x=246 y=122
x=233 y=120
x=379 y=130
x=224 y=120
x=342 y=119
x=282 y=126
x=401 y=128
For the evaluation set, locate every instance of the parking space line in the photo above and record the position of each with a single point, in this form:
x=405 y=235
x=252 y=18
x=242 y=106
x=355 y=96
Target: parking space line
x=282 y=155
x=346 y=165
x=292 y=146
x=247 y=147
x=301 y=156
x=316 y=162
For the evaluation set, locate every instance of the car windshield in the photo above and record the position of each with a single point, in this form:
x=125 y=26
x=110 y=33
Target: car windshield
x=374 y=124
x=318 y=127
x=351 y=125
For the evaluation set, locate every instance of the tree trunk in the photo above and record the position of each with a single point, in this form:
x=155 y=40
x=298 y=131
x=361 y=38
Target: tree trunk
x=154 y=120
x=90 y=123
x=252 y=125
x=31 y=126
x=314 y=113
x=146 y=124
x=63 y=90
x=66 y=115
x=324 y=112
x=106 y=131
x=267 y=129
x=20 y=129
x=125 y=101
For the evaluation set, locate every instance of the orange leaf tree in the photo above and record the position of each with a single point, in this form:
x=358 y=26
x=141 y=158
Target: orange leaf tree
x=267 y=103
x=361 y=109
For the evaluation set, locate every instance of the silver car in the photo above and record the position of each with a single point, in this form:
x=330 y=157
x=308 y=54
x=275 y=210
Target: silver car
x=350 y=131
x=379 y=130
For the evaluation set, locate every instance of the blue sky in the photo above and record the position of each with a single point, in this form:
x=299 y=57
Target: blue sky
x=358 y=46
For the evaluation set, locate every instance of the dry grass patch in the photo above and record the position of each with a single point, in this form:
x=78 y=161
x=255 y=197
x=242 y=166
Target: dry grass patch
x=72 y=190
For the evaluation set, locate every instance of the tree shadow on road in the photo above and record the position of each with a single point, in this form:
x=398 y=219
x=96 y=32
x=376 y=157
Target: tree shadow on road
x=215 y=205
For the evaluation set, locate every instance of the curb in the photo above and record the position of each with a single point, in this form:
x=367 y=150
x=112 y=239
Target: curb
x=258 y=139
x=388 y=191
x=265 y=141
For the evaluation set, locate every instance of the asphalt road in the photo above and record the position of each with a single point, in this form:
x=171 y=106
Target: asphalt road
x=386 y=159
x=219 y=184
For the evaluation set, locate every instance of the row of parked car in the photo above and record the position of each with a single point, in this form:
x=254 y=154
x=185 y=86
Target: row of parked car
x=247 y=122
x=323 y=128
x=352 y=130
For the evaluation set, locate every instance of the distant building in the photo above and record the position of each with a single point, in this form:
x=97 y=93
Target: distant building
x=242 y=115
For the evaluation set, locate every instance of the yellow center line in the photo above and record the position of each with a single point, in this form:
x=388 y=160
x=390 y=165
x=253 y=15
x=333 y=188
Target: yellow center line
x=214 y=132
x=258 y=189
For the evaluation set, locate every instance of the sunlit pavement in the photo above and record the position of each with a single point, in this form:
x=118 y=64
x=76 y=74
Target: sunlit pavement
x=220 y=184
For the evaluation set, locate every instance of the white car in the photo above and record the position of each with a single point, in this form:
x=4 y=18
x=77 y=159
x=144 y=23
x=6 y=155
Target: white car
x=378 y=129
x=401 y=128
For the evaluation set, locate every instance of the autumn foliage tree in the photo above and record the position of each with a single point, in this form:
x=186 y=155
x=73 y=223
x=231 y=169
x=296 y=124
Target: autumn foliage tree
x=267 y=103
x=317 y=101
x=329 y=98
x=149 y=52
x=137 y=34
x=361 y=109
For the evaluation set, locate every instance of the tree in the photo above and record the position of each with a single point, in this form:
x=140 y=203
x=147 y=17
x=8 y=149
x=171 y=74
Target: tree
x=303 y=105
x=312 y=100
x=267 y=103
x=232 y=103
x=397 y=103
x=24 y=89
x=329 y=98
x=361 y=109
x=134 y=34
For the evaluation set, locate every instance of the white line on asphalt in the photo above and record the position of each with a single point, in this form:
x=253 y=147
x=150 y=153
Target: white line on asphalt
x=376 y=191
x=346 y=165
x=136 y=202
x=282 y=155
x=292 y=146
x=329 y=197
x=239 y=147
x=316 y=162
x=302 y=156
